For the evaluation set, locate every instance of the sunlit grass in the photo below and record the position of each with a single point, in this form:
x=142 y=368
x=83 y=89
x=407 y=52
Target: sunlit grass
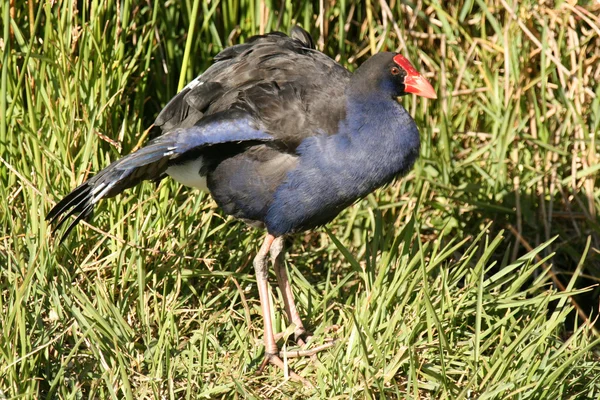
x=472 y=277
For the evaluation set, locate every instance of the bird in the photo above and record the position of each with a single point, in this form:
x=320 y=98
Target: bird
x=283 y=138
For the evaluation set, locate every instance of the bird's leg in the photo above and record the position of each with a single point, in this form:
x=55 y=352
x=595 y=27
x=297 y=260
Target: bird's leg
x=262 y=270
x=300 y=333
x=271 y=350
x=277 y=254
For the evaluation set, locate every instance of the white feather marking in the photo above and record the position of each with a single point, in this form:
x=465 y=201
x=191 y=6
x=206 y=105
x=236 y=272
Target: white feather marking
x=97 y=188
x=194 y=83
x=170 y=151
x=99 y=196
x=188 y=174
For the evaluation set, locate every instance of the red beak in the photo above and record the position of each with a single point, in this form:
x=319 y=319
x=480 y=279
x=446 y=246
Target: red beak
x=414 y=82
x=418 y=85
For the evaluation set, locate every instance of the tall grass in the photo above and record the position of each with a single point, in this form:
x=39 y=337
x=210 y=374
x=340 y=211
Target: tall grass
x=472 y=277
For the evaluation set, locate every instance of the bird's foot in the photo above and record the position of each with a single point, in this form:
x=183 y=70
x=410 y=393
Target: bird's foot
x=275 y=359
x=302 y=336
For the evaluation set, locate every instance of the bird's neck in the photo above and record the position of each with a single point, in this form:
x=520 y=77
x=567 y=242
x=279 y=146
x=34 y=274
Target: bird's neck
x=382 y=132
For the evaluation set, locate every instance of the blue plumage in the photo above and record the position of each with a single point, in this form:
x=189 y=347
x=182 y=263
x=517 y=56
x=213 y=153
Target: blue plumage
x=240 y=128
x=334 y=171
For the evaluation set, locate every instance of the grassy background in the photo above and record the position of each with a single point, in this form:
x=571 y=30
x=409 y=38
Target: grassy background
x=470 y=278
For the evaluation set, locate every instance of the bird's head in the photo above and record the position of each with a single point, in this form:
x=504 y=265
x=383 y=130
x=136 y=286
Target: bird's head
x=407 y=79
x=394 y=75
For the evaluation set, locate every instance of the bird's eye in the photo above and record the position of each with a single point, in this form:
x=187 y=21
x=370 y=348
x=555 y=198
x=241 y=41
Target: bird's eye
x=395 y=71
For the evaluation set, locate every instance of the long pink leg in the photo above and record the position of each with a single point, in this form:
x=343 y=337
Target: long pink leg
x=277 y=254
x=271 y=350
x=300 y=333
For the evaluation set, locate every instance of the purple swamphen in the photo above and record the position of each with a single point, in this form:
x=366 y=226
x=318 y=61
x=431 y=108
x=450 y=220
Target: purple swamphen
x=283 y=137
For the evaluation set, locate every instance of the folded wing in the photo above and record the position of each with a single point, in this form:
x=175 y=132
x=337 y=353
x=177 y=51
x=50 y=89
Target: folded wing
x=150 y=162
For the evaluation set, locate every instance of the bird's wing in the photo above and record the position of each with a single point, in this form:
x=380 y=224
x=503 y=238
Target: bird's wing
x=274 y=88
x=151 y=161
x=294 y=90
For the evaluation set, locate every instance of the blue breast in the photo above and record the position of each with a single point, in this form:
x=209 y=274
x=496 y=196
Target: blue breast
x=377 y=142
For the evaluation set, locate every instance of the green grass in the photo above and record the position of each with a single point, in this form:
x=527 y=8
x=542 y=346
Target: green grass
x=472 y=277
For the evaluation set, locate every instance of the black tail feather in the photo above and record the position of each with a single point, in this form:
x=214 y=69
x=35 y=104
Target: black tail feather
x=77 y=205
x=86 y=212
x=66 y=203
x=148 y=163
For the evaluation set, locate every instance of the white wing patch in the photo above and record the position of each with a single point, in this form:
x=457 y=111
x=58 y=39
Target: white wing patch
x=194 y=83
x=188 y=174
